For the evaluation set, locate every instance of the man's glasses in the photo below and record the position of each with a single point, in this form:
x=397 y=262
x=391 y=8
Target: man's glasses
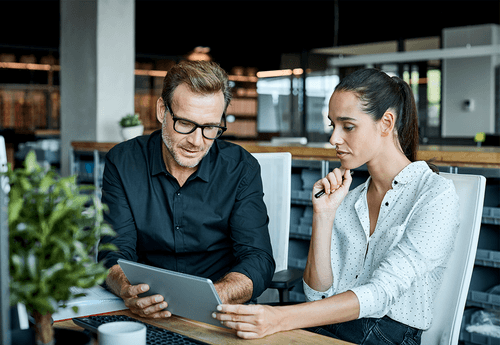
x=184 y=126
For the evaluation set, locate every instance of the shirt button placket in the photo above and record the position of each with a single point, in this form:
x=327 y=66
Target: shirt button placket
x=177 y=209
x=178 y=235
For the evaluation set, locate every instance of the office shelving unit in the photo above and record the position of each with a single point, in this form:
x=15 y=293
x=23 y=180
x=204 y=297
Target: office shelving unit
x=483 y=293
x=486 y=272
x=37 y=106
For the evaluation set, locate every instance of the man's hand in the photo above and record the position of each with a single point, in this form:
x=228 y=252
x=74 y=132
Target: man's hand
x=150 y=307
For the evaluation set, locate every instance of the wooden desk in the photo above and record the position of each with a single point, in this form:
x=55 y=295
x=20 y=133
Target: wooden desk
x=217 y=335
x=459 y=156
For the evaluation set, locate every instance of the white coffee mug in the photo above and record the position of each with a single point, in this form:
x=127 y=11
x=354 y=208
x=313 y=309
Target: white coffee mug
x=122 y=333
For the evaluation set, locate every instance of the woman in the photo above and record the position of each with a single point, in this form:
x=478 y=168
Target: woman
x=377 y=254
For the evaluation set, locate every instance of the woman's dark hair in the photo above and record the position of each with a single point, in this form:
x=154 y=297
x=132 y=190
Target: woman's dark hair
x=379 y=92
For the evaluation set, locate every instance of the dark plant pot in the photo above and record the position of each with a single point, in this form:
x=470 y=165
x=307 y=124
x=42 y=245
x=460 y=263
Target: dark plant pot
x=62 y=337
x=71 y=337
x=22 y=337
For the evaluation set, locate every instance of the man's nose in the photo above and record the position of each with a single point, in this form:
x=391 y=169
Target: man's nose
x=196 y=138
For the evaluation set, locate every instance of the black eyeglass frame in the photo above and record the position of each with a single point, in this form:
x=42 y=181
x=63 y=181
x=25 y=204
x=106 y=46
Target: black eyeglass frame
x=221 y=130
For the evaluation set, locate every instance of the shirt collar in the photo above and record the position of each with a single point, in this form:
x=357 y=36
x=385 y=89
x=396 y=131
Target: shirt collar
x=408 y=174
x=158 y=165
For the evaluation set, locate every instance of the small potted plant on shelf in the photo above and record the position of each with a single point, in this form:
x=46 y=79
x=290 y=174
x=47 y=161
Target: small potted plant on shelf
x=479 y=138
x=131 y=126
x=54 y=225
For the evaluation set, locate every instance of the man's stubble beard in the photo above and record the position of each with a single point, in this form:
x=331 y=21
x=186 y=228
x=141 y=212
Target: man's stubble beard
x=170 y=147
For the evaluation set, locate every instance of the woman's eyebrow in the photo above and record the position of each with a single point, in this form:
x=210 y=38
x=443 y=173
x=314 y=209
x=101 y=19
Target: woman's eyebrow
x=343 y=118
x=346 y=118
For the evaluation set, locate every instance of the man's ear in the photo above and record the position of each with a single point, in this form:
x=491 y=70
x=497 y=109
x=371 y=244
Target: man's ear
x=160 y=110
x=387 y=122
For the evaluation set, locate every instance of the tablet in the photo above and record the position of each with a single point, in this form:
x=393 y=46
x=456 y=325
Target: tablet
x=187 y=296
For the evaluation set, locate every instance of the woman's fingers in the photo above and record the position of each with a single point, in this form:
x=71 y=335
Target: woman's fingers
x=335 y=178
x=250 y=321
x=347 y=178
x=236 y=310
x=331 y=182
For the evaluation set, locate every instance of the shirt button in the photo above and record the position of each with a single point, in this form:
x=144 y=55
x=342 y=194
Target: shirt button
x=178 y=193
x=395 y=182
x=323 y=297
x=357 y=276
x=386 y=203
x=177 y=227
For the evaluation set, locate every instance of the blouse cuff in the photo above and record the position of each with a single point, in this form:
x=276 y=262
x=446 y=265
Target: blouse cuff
x=313 y=295
x=366 y=301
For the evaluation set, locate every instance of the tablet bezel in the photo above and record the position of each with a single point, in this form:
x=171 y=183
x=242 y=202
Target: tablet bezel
x=187 y=295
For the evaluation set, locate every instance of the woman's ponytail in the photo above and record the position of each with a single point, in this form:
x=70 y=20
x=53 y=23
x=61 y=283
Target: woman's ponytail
x=407 y=122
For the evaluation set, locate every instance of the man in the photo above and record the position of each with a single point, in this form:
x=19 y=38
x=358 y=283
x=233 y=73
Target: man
x=182 y=200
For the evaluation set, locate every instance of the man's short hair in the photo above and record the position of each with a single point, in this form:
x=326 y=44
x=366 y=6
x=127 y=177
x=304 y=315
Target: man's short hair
x=203 y=77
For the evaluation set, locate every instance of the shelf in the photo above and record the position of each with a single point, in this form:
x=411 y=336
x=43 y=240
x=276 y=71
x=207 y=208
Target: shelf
x=150 y=73
x=300 y=232
x=411 y=56
x=297 y=263
x=38 y=106
x=491 y=215
x=487 y=258
x=483 y=300
x=478 y=339
x=474 y=338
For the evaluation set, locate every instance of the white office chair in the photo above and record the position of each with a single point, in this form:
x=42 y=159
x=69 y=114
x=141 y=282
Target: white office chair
x=276 y=172
x=450 y=300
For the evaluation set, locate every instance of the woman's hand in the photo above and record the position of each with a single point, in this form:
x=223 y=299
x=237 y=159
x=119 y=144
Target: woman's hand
x=335 y=186
x=250 y=321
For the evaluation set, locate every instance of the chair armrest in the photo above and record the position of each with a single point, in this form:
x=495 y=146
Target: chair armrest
x=286 y=279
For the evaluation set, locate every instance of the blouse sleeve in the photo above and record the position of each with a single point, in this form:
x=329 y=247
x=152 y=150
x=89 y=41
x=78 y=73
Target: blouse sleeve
x=426 y=244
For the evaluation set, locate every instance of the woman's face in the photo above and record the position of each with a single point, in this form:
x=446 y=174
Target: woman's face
x=356 y=135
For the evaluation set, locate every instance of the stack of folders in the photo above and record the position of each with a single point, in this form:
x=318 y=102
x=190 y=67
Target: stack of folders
x=97 y=300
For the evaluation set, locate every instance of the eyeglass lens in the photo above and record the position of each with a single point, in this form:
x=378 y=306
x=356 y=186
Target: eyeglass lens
x=186 y=127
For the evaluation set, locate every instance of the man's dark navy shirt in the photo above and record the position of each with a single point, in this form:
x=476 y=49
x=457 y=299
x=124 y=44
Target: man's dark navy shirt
x=214 y=224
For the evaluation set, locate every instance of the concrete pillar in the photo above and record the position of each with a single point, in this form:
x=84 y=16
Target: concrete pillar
x=97 y=56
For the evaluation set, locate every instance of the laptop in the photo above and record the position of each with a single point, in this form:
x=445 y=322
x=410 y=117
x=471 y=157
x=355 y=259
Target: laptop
x=187 y=295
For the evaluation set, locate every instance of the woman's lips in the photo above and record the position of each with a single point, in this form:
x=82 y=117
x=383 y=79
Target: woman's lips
x=341 y=153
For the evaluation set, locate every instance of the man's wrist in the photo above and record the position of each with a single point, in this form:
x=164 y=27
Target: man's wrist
x=234 y=288
x=116 y=280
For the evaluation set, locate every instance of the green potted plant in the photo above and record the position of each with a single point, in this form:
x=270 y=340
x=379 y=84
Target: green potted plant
x=131 y=126
x=479 y=138
x=54 y=225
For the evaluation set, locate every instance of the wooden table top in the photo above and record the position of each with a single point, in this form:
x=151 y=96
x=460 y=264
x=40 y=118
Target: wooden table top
x=218 y=335
x=460 y=156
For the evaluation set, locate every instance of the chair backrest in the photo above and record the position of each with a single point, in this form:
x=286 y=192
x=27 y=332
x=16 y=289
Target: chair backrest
x=450 y=300
x=276 y=172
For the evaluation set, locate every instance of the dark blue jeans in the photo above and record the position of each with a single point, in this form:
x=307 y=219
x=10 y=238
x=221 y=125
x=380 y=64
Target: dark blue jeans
x=367 y=331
